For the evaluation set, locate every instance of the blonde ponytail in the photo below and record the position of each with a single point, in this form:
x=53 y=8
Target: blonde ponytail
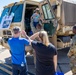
x=44 y=37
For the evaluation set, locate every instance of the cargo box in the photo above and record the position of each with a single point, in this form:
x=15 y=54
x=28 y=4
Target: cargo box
x=68 y=13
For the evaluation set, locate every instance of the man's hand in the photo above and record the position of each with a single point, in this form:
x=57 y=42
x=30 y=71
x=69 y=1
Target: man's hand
x=26 y=36
x=24 y=33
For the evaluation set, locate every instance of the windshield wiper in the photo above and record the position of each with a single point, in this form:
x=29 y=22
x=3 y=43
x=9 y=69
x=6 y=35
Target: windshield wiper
x=11 y=8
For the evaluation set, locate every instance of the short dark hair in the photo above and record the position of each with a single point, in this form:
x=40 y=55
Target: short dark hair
x=74 y=27
x=16 y=30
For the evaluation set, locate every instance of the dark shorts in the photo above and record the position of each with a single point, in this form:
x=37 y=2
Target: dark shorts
x=19 y=70
x=35 y=24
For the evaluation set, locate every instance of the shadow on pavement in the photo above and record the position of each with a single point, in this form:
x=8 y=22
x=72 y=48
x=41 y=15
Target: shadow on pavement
x=63 y=60
x=63 y=63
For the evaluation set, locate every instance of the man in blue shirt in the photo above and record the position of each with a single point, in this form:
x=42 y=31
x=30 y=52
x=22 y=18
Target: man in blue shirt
x=17 y=47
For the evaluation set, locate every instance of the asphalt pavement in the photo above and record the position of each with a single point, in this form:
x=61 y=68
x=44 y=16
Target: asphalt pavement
x=6 y=66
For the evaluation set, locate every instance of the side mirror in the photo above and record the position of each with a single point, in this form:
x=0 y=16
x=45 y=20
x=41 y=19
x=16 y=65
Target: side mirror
x=54 y=7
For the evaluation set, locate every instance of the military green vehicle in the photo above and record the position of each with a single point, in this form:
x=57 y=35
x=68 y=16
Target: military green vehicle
x=55 y=20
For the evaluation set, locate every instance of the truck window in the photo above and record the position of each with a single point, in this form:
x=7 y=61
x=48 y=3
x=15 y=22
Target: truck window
x=4 y=13
x=17 y=10
x=47 y=12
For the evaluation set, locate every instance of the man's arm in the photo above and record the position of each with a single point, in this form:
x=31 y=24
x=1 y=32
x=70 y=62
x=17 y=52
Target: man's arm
x=31 y=37
x=70 y=53
x=24 y=34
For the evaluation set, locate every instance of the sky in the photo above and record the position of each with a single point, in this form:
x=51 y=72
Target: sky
x=5 y=2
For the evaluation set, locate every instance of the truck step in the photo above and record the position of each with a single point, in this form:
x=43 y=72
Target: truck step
x=5 y=69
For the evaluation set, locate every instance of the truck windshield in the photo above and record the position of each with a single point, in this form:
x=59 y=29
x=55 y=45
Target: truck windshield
x=17 y=10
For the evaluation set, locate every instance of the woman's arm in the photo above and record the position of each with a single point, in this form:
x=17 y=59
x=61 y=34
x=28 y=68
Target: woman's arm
x=35 y=35
x=55 y=62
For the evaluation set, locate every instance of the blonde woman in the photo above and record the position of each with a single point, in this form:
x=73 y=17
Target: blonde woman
x=46 y=54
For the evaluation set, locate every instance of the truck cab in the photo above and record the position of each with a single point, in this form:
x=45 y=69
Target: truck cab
x=55 y=19
x=19 y=14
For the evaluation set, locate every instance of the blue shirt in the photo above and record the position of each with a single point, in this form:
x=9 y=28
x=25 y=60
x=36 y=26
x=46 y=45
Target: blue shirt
x=17 y=47
x=35 y=17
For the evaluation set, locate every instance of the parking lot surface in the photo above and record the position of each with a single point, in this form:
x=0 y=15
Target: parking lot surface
x=6 y=66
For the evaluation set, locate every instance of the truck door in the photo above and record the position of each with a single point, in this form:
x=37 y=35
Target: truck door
x=49 y=18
